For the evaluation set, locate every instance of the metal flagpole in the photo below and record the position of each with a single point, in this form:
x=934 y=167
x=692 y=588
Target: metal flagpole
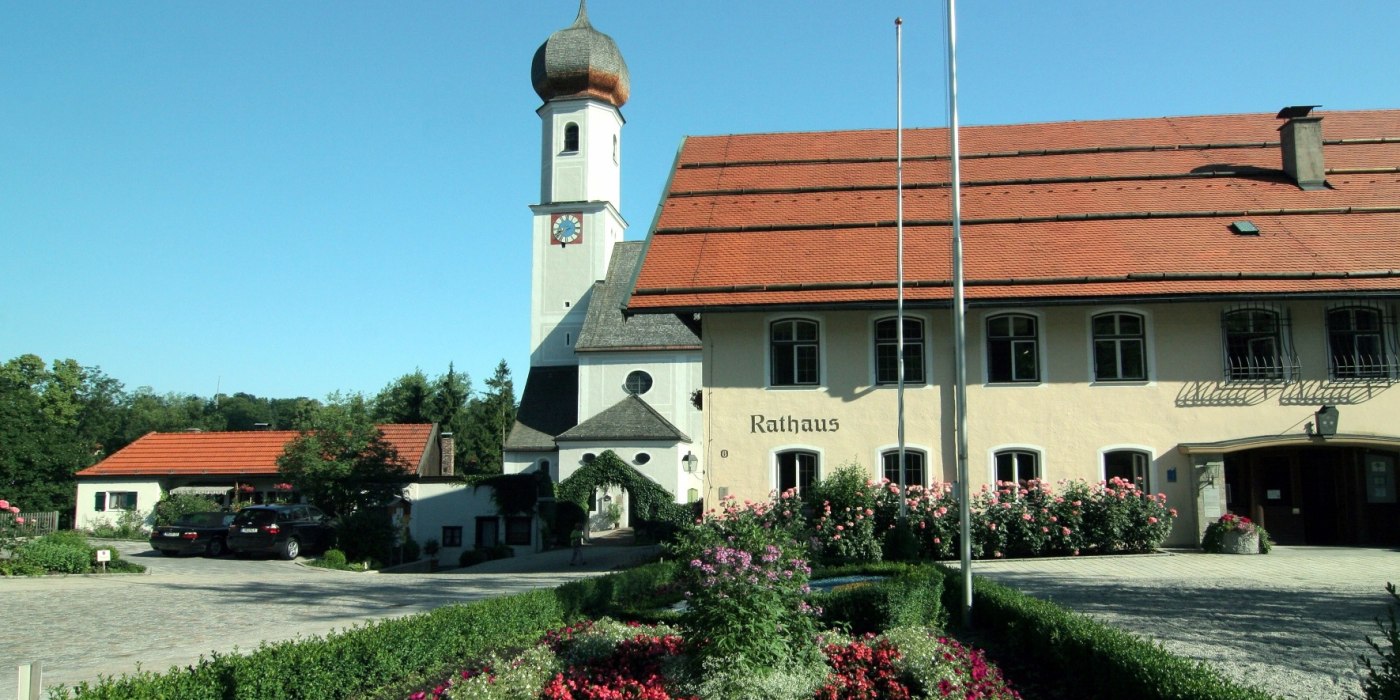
x=959 y=329
x=899 y=221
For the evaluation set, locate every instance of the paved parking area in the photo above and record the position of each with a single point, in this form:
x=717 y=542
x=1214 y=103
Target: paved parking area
x=1291 y=622
x=81 y=627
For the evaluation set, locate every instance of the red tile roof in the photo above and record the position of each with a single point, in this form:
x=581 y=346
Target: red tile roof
x=1127 y=208
x=246 y=453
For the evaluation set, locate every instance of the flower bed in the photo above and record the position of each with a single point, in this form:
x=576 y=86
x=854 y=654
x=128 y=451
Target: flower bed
x=609 y=659
x=1236 y=534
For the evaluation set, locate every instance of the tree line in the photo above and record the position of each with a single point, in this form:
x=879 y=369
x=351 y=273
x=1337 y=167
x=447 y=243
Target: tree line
x=60 y=417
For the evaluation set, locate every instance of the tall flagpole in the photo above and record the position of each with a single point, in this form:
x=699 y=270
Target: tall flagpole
x=959 y=329
x=899 y=224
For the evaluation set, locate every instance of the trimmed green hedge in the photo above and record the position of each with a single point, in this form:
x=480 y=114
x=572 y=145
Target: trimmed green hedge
x=909 y=598
x=1105 y=662
x=363 y=659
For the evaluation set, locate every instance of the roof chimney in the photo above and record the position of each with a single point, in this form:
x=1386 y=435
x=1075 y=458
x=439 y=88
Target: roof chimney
x=449 y=454
x=1301 y=137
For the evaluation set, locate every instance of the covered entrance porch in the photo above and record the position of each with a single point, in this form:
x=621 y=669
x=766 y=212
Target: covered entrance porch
x=1341 y=491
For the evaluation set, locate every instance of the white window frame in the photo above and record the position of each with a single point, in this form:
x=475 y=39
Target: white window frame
x=992 y=454
x=1151 y=471
x=1041 y=351
x=768 y=323
x=908 y=449
x=775 y=472
x=1149 y=358
x=925 y=364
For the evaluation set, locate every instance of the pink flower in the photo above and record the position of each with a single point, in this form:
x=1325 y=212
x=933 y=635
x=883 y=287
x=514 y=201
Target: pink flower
x=1025 y=516
x=4 y=504
x=840 y=528
x=992 y=525
x=1151 y=520
x=19 y=520
x=1064 y=531
x=1172 y=512
x=835 y=537
x=14 y=509
x=938 y=540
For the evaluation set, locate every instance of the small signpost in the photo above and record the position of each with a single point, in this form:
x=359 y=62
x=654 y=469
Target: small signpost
x=30 y=680
x=104 y=556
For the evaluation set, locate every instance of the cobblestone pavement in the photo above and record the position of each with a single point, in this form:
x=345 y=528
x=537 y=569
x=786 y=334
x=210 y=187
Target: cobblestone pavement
x=81 y=627
x=1291 y=622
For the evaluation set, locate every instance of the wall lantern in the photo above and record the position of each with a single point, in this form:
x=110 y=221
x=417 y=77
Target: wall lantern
x=1326 y=421
x=691 y=462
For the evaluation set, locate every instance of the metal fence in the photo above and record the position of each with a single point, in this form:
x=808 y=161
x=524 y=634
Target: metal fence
x=37 y=523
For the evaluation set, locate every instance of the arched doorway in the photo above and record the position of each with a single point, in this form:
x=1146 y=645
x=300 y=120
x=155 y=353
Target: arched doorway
x=1317 y=494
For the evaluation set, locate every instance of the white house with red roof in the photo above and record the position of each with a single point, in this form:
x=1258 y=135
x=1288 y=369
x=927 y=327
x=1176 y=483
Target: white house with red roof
x=1206 y=305
x=241 y=467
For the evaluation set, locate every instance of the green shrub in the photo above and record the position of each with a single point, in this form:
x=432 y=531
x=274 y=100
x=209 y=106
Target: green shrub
x=334 y=558
x=367 y=535
x=173 y=507
x=910 y=599
x=472 y=557
x=15 y=567
x=130 y=525
x=900 y=543
x=56 y=556
x=1383 y=681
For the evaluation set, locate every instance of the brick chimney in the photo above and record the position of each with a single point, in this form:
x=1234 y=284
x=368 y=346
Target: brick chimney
x=449 y=454
x=1301 y=138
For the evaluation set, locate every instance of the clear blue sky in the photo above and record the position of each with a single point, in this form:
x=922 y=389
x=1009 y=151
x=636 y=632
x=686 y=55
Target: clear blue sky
x=294 y=198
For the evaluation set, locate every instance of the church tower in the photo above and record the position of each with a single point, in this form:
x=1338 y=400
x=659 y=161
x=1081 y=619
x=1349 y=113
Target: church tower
x=580 y=75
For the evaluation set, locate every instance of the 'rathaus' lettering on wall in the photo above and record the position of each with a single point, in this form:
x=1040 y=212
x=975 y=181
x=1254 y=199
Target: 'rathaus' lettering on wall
x=759 y=423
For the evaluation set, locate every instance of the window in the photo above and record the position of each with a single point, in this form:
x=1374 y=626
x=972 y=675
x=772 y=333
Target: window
x=913 y=467
x=1128 y=465
x=796 y=470
x=1356 y=343
x=115 y=500
x=887 y=351
x=571 y=138
x=1120 y=348
x=1013 y=349
x=638 y=383
x=1254 y=344
x=518 y=529
x=1017 y=466
x=641 y=458
x=795 y=352
x=452 y=535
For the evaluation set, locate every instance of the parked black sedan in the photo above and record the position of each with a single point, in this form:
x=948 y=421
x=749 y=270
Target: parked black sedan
x=196 y=533
x=283 y=530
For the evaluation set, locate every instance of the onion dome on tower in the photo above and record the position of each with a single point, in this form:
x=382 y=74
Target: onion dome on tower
x=580 y=61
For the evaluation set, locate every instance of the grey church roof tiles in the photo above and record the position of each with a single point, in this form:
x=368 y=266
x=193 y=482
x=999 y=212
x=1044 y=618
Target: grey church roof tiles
x=628 y=419
x=605 y=328
x=548 y=407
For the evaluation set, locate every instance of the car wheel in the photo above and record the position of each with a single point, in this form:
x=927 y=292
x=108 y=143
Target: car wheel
x=290 y=549
x=216 y=548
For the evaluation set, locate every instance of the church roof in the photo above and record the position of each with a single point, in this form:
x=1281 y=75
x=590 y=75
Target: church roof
x=548 y=406
x=605 y=327
x=628 y=419
x=240 y=453
x=1057 y=212
x=580 y=61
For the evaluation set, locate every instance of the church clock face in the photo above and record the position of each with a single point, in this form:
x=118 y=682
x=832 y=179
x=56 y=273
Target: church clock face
x=566 y=229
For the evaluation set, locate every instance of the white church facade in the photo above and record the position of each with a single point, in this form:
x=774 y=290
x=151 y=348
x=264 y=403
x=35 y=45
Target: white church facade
x=598 y=381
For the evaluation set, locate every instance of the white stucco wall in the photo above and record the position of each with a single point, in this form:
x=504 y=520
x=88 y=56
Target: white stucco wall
x=1066 y=418
x=86 y=517
x=440 y=504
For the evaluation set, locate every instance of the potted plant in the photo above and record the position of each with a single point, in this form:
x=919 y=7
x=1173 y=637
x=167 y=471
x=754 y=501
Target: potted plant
x=1235 y=534
x=431 y=548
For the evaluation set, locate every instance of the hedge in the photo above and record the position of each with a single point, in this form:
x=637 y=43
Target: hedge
x=910 y=597
x=1105 y=662
x=362 y=659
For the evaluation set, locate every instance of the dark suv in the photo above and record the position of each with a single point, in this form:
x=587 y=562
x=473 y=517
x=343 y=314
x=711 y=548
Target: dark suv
x=284 y=530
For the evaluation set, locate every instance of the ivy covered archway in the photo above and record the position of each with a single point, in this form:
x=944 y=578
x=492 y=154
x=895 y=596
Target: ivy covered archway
x=650 y=502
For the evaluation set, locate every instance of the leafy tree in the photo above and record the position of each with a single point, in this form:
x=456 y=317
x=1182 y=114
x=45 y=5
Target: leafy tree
x=341 y=461
x=48 y=415
x=407 y=399
x=489 y=419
